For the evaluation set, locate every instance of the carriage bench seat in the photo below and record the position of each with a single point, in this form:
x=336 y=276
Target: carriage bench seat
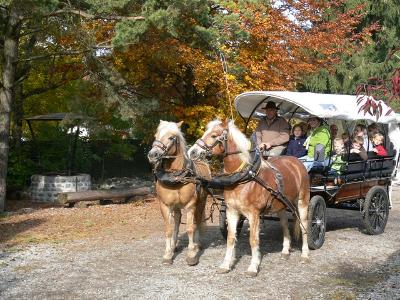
x=372 y=168
x=354 y=168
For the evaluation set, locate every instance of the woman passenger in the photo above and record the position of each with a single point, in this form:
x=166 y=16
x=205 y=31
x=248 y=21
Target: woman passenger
x=319 y=134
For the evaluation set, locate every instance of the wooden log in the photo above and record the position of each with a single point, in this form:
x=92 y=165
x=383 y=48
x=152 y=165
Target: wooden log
x=72 y=197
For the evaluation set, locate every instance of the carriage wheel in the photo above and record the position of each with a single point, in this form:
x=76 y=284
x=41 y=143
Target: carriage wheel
x=375 y=210
x=223 y=223
x=316 y=224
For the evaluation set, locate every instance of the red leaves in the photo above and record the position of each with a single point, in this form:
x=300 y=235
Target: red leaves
x=371 y=106
x=396 y=83
x=387 y=89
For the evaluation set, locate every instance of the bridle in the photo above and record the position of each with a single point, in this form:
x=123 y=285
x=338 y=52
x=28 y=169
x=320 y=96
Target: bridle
x=220 y=140
x=173 y=140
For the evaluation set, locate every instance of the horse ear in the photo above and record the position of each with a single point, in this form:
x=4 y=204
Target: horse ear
x=225 y=122
x=179 y=124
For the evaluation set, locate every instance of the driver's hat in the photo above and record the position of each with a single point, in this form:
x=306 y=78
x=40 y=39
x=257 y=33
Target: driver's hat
x=270 y=104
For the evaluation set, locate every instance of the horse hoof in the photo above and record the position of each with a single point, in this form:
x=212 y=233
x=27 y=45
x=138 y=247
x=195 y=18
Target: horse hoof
x=250 y=274
x=223 y=271
x=192 y=261
x=305 y=260
x=167 y=261
x=285 y=256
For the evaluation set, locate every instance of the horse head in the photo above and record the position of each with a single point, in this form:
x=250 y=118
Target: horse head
x=168 y=143
x=212 y=142
x=220 y=138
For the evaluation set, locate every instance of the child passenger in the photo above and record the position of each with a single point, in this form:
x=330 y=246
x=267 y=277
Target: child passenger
x=337 y=161
x=346 y=140
x=296 y=143
x=358 y=147
x=361 y=131
x=377 y=140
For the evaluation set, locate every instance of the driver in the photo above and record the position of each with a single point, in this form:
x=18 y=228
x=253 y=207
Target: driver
x=272 y=132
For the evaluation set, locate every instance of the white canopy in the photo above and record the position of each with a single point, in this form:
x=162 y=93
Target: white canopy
x=343 y=107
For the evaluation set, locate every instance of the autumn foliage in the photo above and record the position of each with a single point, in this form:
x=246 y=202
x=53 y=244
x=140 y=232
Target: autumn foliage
x=278 y=45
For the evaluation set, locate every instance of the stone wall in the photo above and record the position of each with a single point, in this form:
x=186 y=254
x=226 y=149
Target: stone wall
x=46 y=188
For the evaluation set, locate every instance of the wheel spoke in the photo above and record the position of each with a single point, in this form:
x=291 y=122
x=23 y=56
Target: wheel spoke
x=316 y=211
x=378 y=222
x=373 y=220
x=315 y=232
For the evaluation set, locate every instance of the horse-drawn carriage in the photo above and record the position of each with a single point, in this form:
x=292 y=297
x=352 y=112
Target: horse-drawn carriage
x=363 y=185
x=254 y=187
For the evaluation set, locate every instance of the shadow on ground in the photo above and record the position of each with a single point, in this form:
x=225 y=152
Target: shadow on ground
x=9 y=230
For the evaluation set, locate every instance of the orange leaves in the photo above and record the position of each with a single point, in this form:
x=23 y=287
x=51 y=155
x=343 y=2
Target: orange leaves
x=291 y=39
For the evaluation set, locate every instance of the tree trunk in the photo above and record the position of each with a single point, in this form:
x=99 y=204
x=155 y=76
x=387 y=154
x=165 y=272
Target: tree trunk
x=72 y=197
x=19 y=98
x=18 y=116
x=10 y=56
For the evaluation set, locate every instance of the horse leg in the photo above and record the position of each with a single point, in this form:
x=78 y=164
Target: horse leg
x=232 y=216
x=303 y=213
x=194 y=247
x=177 y=220
x=283 y=219
x=193 y=257
x=254 y=224
x=169 y=228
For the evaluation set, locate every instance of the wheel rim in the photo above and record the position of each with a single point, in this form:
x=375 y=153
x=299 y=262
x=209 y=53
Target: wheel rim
x=377 y=211
x=318 y=223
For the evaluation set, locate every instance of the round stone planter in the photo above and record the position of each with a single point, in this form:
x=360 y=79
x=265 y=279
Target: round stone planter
x=47 y=187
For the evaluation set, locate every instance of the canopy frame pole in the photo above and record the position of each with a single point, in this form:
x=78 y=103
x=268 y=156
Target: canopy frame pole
x=248 y=119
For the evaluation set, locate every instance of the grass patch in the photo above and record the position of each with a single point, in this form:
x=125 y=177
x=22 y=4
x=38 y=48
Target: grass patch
x=32 y=239
x=3 y=215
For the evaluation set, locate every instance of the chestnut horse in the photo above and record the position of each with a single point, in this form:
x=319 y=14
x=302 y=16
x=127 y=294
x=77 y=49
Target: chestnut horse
x=250 y=198
x=169 y=157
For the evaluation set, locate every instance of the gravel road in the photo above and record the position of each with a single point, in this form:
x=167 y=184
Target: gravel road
x=350 y=265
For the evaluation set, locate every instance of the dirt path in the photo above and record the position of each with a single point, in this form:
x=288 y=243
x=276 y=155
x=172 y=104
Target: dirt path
x=118 y=255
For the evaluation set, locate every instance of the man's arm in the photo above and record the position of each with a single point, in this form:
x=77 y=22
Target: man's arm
x=259 y=132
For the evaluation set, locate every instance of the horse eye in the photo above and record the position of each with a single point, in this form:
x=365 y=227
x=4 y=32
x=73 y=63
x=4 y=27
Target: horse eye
x=214 y=136
x=171 y=138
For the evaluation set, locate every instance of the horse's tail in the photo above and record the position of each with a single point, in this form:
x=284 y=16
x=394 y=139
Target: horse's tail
x=296 y=229
x=201 y=210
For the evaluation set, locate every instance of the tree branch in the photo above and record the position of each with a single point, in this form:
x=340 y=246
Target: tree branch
x=54 y=55
x=95 y=17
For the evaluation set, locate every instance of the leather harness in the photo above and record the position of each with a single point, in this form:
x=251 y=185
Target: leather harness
x=250 y=172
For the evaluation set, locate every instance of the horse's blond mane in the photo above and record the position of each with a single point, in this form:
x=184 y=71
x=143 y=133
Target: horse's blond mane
x=241 y=141
x=171 y=128
x=211 y=125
